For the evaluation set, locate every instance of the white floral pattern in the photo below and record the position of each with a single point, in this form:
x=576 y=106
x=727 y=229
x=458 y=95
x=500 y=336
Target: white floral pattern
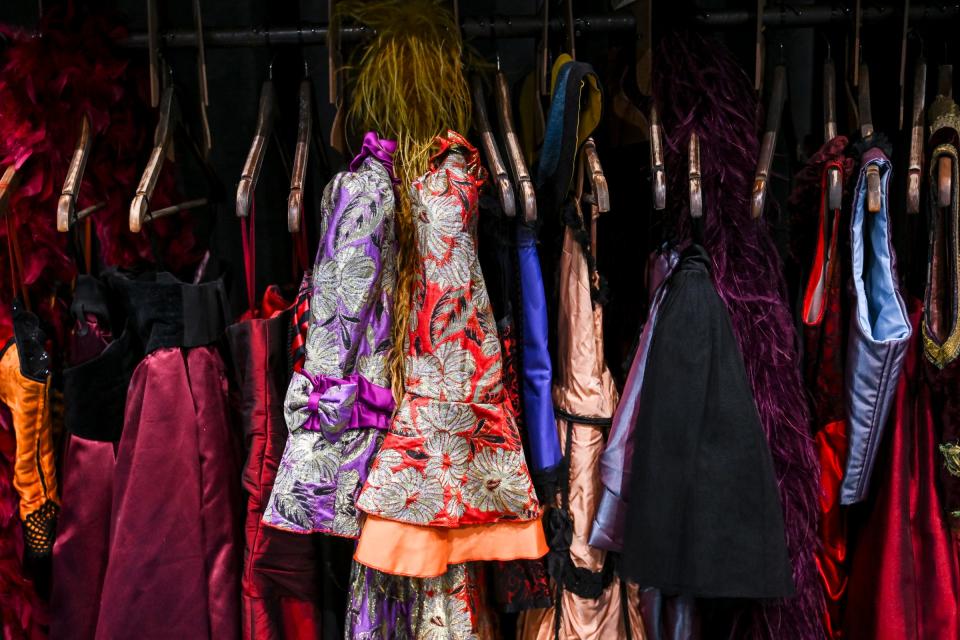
x=318 y=480
x=452 y=456
x=497 y=481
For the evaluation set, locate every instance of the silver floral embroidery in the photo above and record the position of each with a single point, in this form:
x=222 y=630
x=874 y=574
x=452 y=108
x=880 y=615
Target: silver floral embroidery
x=444 y=374
x=447 y=417
x=409 y=494
x=496 y=482
x=448 y=457
x=353 y=284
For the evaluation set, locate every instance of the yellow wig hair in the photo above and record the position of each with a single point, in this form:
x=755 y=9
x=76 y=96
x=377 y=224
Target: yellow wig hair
x=407 y=84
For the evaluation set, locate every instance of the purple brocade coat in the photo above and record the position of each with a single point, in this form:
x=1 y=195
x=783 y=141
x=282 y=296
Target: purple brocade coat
x=338 y=407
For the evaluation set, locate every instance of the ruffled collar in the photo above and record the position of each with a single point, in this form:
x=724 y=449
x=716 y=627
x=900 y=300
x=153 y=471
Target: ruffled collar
x=374 y=146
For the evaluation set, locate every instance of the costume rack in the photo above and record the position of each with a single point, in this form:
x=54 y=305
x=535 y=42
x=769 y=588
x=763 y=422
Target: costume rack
x=783 y=16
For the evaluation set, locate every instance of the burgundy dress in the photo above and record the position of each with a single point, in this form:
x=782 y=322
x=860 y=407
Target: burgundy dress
x=903 y=579
x=102 y=354
x=173 y=564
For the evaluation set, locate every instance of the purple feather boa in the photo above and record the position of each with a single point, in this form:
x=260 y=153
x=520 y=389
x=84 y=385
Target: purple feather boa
x=700 y=88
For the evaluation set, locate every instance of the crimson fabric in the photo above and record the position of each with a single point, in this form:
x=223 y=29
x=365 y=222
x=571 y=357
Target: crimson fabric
x=173 y=569
x=281 y=589
x=825 y=253
x=95 y=385
x=903 y=581
x=83 y=538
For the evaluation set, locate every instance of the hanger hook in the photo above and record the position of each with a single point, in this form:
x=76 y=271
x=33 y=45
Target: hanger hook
x=270 y=67
x=913 y=33
x=826 y=41
x=498 y=61
x=306 y=67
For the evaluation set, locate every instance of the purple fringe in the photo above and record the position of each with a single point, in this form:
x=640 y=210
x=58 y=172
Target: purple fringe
x=700 y=88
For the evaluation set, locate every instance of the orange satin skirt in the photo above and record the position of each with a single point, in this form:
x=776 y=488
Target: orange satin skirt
x=404 y=549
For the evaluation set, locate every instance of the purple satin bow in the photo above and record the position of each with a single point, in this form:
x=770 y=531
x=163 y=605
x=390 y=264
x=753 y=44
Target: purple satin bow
x=334 y=405
x=379 y=148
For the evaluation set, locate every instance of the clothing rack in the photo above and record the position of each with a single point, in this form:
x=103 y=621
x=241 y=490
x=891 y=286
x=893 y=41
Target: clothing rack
x=485 y=27
x=784 y=16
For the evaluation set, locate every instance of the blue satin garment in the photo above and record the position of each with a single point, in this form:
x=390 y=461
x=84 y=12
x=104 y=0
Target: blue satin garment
x=537 y=373
x=879 y=331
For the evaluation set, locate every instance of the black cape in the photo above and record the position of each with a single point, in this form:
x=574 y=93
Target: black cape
x=705 y=518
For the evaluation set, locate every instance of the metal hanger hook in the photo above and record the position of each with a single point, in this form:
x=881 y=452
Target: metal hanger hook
x=913 y=33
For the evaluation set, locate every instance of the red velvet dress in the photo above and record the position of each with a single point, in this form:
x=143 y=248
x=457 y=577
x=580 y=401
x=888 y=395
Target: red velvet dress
x=281 y=585
x=903 y=579
x=825 y=320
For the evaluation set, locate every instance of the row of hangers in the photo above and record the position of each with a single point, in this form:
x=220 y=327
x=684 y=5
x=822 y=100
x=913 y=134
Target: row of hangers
x=861 y=81
x=599 y=196
x=170 y=125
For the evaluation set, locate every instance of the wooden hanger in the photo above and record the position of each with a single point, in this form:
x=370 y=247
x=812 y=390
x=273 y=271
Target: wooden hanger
x=67 y=204
x=903 y=60
x=945 y=163
x=866 y=132
x=497 y=168
x=543 y=55
x=915 y=169
x=8 y=184
x=333 y=54
x=266 y=115
x=769 y=144
x=857 y=20
x=528 y=195
x=657 y=166
x=169 y=124
x=153 y=52
x=693 y=176
x=834 y=183
x=759 y=49
x=598 y=181
x=300 y=157
x=571 y=29
x=202 y=79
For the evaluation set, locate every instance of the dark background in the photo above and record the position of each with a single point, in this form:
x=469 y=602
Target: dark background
x=235 y=76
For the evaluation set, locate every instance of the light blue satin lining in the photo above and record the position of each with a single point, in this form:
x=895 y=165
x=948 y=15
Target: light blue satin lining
x=879 y=312
x=880 y=330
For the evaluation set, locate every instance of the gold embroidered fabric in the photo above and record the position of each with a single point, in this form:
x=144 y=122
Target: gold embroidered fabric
x=941 y=320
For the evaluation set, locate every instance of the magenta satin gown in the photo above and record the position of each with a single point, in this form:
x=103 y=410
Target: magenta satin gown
x=153 y=548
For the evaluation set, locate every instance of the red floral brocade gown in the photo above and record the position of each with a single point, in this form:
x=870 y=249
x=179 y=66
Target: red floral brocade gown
x=450 y=483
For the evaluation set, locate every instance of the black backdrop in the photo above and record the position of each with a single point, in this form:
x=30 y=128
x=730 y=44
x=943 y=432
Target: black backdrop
x=235 y=76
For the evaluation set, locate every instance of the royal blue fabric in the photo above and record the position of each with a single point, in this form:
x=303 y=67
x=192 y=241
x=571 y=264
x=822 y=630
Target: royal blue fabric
x=537 y=373
x=552 y=138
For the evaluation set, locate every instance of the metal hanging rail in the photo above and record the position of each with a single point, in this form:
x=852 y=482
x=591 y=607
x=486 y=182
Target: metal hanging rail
x=792 y=16
x=785 y=16
x=494 y=27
